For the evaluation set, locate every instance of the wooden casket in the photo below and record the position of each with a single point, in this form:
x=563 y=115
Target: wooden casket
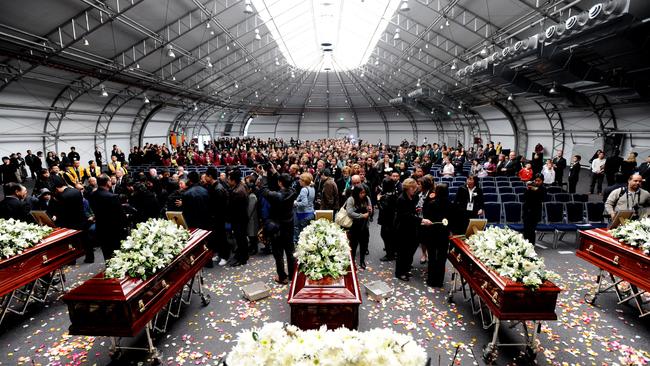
x=628 y=263
x=59 y=248
x=506 y=299
x=334 y=304
x=122 y=307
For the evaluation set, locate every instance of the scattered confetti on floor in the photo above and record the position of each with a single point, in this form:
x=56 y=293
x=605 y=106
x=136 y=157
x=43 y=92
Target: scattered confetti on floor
x=604 y=334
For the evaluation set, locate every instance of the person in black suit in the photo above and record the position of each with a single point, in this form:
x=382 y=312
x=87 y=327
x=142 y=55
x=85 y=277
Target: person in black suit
x=407 y=223
x=469 y=204
x=237 y=210
x=574 y=173
x=512 y=166
x=613 y=165
x=13 y=206
x=8 y=171
x=532 y=207
x=195 y=203
x=559 y=162
x=218 y=200
x=110 y=220
x=68 y=212
x=644 y=171
x=436 y=208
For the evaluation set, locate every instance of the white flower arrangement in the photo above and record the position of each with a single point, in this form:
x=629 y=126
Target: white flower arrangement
x=323 y=250
x=635 y=233
x=510 y=255
x=16 y=236
x=151 y=246
x=281 y=344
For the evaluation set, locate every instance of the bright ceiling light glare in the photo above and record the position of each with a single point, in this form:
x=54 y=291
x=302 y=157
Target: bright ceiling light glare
x=396 y=36
x=208 y=64
x=86 y=43
x=196 y=108
x=404 y=6
x=248 y=8
x=146 y=100
x=257 y=35
x=453 y=65
x=277 y=62
x=103 y=92
x=170 y=51
x=300 y=28
x=418 y=83
x=511 y=97
x=446 y=22
x=236 y=85
x=553 y=90
x=484 y=51
x=207 y=25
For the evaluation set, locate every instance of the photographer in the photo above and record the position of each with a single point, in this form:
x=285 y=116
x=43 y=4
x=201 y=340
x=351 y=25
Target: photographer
x=532 y=208
x=632 y=197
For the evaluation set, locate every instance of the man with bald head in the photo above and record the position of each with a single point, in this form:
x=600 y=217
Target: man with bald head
x=512 y=166
x=630 y=197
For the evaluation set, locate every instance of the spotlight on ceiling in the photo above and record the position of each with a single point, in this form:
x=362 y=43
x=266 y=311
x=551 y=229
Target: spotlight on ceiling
x=236 y=85
x=277 y=62
x=293 y=74
x=146 y=100
x=396 y=36
x=170 y=51
x=553 y=90
x=404 y=6
x=103 y=92
x=207 y=25
x=257 y=35
x=208 y=63
x=86 y=43
x=173 y=78
x=511 y=97
x=418 y=83
x=453 y=65
x=196 y=108
x=484 y=51
x=248 y=7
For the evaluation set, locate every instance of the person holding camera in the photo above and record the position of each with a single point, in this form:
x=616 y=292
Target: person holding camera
x=532 y=207
x=631 y=197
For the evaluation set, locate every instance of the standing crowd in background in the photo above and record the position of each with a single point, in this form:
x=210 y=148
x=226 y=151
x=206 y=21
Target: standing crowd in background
x=256 y=195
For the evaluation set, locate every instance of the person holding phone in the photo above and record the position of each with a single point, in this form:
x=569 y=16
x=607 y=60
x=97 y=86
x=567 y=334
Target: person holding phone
x=532 y=207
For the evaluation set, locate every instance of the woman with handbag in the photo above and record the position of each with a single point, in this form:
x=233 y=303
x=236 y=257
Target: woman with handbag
x=437 y=209
x=359 y=208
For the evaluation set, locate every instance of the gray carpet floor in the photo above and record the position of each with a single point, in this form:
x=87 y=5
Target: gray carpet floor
x=603 y=334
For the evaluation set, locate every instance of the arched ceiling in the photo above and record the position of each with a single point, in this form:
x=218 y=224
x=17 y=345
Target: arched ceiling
x=437 y=56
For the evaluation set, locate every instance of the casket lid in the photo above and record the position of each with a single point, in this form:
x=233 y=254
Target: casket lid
x=126 y=288
x=55 y=236
x=603 y=235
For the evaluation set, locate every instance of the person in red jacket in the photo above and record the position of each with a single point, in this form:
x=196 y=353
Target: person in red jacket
x=526 y=173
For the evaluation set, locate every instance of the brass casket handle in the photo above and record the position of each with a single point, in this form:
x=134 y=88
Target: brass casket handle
x=141 y=306
x=192 y=260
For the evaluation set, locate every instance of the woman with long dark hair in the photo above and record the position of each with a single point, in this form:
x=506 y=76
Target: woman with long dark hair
x=358 y=208
x=437 y=209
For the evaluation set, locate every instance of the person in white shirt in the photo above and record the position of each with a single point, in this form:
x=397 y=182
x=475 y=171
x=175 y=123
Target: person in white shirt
x=597 y=173
x=548 y=172
x=448 y=170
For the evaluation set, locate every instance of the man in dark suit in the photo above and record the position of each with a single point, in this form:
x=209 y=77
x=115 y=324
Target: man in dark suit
x=14 y=206
x=73 y=155
x=238 y=216
x=218 y=201
x=110 y=221
x=195 y=203
x=68 y=212
x=613 y=165
x=559 y=162
x=644 y=171
x=512 y=166
x=574 y=173
x=532 y=207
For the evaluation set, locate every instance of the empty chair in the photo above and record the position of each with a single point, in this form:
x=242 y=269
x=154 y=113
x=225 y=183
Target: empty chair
x=520 y=197
x=453 y=190
x=554 y=215
x=562 y=197
x=548 y=197
x=488 y=183
x=554 y=189
x=519 y=190
x=491 y=197
x=508 y=197
x=503 y=183
x=501 y=178
x=460 y=179
x=575 y=214
x=595 y=216
x=457 y=183
x=517 y=183
x=492 y=213
x=491 y=190
x=513 y=215
x=452 y=196
x=503 y=190
x=578 y=197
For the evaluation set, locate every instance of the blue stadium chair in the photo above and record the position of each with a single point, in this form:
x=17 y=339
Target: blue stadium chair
x=503 y=190
x=460 y=179
x=513 y=215
x=453 y=190
x=503 y=183
x=562 y=197
x=488 y=183
x=520 y=197
x=575 y=214
x=491 y=197
x=501 y=178
x=555 y=217
x=595 y=216
x=492 y=211
x=517 y=183
x=491 y=190
x=553 y=189
x=519 y=190
x=577 y=197
x=508 y=197
x=452 y=196
x=457 y=183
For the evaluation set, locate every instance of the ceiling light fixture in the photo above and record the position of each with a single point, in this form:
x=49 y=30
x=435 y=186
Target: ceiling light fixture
x=86 y=43
x=103 y=93
x=446 y=22
x=484 y=51
x=553 y=90
x=248 y=8
x=257 y=35
x=137 y=65
x=418 y=84
x=170 y=51
x=236 y=85
x=196 y=108
x=277 y=62
x=207 y=25
x=404 y=6
x=173 y=78
x=511 y=97
x=453 y=65
x=396 y=36
x=146 y=100
x=208 y=64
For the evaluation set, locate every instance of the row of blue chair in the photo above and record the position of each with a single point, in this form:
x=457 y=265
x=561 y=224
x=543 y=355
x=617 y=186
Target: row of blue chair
x=559 y=218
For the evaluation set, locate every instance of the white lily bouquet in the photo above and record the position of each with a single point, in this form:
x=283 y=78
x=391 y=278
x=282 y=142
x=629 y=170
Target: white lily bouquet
x=151 y=246
x=282 y=344
x=635 y=233
x=323 y=250
x=16 y=236
x=510 y=255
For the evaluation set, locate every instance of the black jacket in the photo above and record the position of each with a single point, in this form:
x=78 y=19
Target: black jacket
x=574 y=172
x=69 y=209
x=110 y=220
x=196 y=207
x=462 y=198
x=406 y=219
x=281 y=203
x=533 y=201
x=13 y=208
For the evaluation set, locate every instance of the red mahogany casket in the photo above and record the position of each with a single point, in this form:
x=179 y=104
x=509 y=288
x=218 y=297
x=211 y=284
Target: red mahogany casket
x=335 y=304
x=122 y=307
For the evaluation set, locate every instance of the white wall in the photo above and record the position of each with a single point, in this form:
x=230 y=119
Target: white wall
x=499 y=126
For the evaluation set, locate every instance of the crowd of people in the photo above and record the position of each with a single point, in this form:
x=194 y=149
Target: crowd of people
x=269 y=189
